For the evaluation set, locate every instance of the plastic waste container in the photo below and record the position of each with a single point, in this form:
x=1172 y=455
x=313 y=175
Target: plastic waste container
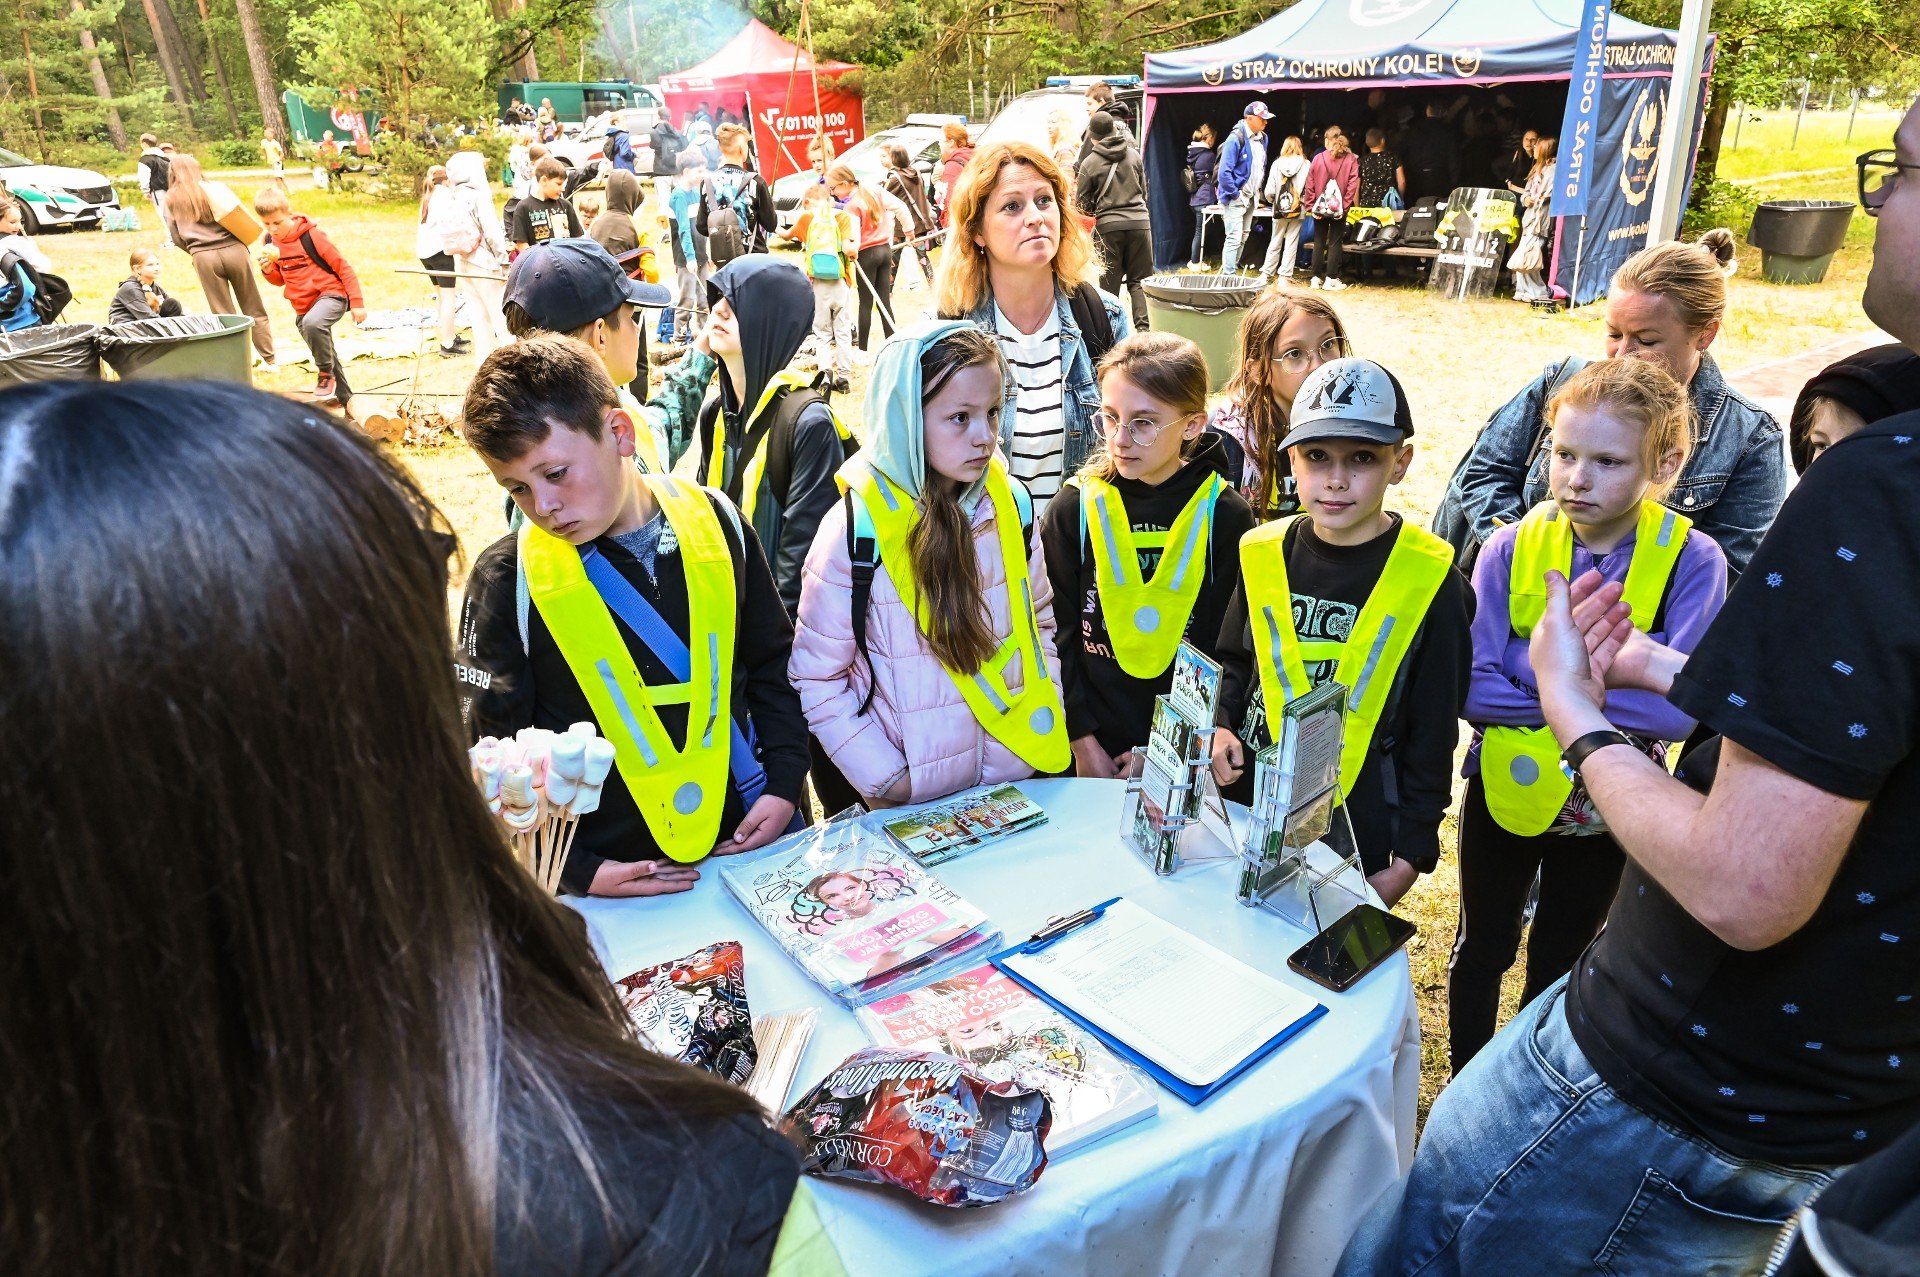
x=1208 y=309
x=49 y=352
x=1798 y=238
x=210 y=347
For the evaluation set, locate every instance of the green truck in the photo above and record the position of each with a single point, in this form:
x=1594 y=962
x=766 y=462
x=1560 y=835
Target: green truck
x=575 y=102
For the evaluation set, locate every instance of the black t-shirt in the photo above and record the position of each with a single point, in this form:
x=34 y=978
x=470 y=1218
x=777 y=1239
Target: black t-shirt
x=535 y=221
x=1807 y=1052
x=1406 y=783
x=508 y=683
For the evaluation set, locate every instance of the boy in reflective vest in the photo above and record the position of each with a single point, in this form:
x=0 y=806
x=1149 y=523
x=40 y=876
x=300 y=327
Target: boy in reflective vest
x=1351 y=591
x=1142 y=546
x=1617 y=435
x=641 y=602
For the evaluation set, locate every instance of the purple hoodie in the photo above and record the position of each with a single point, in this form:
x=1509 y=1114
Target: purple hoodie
x=1502 y=689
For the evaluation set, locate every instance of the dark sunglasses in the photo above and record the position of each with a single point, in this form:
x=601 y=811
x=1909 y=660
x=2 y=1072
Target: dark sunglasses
x=1879 y=170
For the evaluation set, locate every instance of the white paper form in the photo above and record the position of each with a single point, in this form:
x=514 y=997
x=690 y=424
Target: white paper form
x=1166 y=994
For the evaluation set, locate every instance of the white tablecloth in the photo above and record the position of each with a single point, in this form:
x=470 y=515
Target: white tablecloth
x=1271 y=1175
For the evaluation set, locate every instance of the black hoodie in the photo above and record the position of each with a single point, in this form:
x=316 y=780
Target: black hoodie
x=1112 y=182
x=772 y=301
x=1103 y=700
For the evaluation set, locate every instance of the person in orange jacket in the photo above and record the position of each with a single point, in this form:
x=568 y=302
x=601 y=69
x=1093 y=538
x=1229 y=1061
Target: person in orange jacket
x=319 y=284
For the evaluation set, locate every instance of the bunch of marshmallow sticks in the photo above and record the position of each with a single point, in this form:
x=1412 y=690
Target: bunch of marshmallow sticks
x=540 y=783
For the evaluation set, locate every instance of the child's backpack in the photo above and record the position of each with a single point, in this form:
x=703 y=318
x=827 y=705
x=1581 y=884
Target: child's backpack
x=1331 y=202
x=610 y=147
x=728 y=216
x=452 y=221
x=823 y=247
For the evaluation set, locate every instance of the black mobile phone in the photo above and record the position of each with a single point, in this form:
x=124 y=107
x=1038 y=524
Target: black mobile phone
x=1351 y=947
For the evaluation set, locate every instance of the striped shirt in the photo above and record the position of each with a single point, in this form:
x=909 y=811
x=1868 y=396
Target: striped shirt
x=1037 y=454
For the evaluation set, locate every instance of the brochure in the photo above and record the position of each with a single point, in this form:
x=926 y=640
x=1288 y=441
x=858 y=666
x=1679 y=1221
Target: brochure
x=955 y=826
x=1196 y=685
x=987 y=1019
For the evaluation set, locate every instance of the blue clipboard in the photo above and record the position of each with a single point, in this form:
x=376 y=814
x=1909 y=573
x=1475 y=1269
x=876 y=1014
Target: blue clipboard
x=1053 y=933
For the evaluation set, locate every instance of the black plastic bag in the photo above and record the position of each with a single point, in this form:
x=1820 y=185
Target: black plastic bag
x=49 y=352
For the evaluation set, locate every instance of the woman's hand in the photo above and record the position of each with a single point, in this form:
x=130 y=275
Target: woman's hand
x=1570 y=659
x=642 y=878
x=766 y=820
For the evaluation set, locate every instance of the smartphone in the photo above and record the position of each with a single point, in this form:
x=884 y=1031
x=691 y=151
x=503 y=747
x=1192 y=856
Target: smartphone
x=1351 y=947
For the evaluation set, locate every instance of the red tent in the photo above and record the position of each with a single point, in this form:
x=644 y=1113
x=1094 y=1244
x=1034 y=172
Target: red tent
x=765 y=77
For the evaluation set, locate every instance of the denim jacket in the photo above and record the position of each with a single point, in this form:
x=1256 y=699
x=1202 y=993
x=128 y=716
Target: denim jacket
x=1080 y=397
x=1733 y=483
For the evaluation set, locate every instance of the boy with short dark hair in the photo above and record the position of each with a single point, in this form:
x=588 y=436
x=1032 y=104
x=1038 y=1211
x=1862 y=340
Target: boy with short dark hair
x=641 y=602
x=1350 y=590
x=545 y=214
x=319 y=284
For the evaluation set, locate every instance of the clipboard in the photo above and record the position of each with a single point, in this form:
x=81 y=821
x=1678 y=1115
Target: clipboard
x=1192 y=1093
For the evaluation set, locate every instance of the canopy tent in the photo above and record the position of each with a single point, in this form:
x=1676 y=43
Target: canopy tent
x=761 y=76
x=1438 y=45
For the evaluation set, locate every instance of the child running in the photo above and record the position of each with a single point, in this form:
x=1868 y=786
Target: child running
x=924 y=653
x=641 y=602
x=1143 y=544
x=1619 y=435
x=1353 y=592
x=319 y=283
x=1285 y=336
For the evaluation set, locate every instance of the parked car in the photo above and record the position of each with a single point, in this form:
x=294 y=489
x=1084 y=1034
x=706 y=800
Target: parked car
x=52 y=196
x=1028 y=116
x=868 y=159
x=584 y=147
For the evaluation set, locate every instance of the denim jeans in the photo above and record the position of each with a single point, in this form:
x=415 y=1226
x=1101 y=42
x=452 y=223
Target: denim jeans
x=1531 y=1164
x=1239 y=221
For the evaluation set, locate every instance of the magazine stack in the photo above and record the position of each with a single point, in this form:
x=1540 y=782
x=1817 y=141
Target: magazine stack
x=861 y=917
x=955 y=826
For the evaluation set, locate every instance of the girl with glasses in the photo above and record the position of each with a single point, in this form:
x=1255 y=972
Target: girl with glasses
x=1143 y=545
x=1286 y=335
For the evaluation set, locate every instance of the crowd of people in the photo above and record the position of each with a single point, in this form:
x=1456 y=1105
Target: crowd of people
x=1717 y=1015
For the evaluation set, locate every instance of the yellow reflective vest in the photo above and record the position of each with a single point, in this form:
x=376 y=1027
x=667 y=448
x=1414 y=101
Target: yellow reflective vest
x=679 y=791
x=1031 y=722
x=753 y=467
x=1520 y=766
x=1370 y=658
x=1146 y=619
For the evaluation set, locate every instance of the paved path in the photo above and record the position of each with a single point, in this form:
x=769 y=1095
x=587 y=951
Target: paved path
x=1775 y=383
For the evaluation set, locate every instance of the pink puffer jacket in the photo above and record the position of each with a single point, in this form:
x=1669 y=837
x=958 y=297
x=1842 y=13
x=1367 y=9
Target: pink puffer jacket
x=918 y=722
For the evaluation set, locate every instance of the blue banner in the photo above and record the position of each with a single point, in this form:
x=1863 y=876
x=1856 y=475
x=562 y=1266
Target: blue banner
x=1625 y=160
x=1578 y=137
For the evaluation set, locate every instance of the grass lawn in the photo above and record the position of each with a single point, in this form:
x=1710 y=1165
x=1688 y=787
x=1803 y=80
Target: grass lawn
x=1767 y=144
x=1458 y=362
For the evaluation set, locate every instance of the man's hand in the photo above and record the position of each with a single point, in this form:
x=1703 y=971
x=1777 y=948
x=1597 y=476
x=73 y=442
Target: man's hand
x=1229 y=756
x=642 y=878
x=1569 y=664
x=766 y=821
x=359 y=314
x=1392 y=882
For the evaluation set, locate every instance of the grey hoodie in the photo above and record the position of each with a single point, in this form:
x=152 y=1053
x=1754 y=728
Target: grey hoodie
x=1112 y=183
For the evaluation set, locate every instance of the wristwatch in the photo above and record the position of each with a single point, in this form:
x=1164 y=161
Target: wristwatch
x=1576 y=754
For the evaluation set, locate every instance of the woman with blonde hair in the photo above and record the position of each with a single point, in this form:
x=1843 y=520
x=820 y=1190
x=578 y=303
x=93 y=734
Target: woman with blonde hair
x=1286 y=191
x=1530 y=275
x=1285 y=336
x=1020 y=265
x=434 y=257
x=195 y=205
x=1665 y=304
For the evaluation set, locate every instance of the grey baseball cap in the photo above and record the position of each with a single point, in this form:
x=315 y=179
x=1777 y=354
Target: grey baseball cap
x=1349 y=399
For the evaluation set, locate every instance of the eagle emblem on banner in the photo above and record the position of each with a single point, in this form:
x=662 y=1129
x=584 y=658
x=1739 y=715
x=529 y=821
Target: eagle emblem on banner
x=1640 y=150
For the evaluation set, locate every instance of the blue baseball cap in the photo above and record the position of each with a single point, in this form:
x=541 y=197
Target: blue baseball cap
x=1258 y=108
x=565 y=284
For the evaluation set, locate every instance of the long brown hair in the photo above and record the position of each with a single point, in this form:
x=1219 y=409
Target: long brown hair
x=1252 y=384
x=862 y=193
x=436 y=176
x=963 y=282
x=285 y=1001
x=946 y=567
x=187 y=191
x=1169 y=368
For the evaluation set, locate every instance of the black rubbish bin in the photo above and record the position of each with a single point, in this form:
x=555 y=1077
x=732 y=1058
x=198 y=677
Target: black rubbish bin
x=49 y=352
x=1208 y=309
x=1798 y=238
x=206 y=347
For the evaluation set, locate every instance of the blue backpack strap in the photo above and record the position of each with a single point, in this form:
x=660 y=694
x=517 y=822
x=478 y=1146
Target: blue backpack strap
x=863 y=554
x=670 y=649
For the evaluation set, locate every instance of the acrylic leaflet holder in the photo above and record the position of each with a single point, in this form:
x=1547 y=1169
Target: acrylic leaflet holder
x=1173 y=815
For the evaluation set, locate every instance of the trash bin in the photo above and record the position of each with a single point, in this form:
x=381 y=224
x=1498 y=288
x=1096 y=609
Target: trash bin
x=1798 y=238
x=1208 y=309
x=50 y=352
x=212 y=347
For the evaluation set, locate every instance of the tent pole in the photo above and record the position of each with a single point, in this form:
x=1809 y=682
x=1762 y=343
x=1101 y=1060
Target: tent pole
x=1676 y=131
x=1579 y=251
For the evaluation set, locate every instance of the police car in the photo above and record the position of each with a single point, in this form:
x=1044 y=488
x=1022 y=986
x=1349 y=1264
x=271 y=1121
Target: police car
x=53 y=196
